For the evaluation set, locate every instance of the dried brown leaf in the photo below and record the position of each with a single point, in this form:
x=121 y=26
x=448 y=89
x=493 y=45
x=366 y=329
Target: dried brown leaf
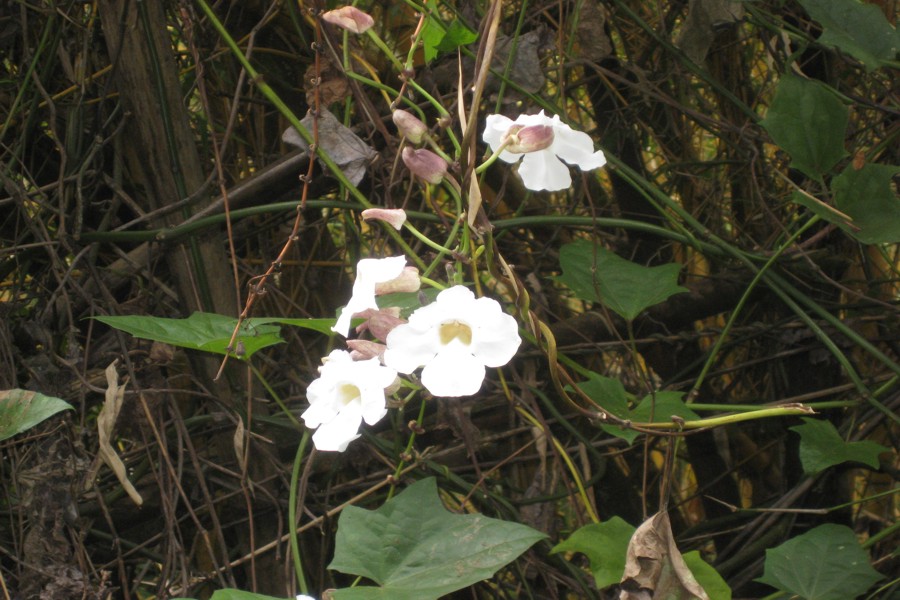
x=106 y=424
x=699 y=29
x=654 y=568
x=344 y=147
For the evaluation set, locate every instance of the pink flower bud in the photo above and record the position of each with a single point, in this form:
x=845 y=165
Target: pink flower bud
x=365 y=349
x=396 y=217
x=408 y=281
x=410 y=126
x=425 y=164
x=349 y=18
x=532 y=138
x=380 y=322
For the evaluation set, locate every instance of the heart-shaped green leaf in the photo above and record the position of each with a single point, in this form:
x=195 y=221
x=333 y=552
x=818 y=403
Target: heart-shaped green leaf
x=865 y=195
x=416 y=549
x=821 y=447
x=825 y=563
x=595 y=274
x=21 y=410
x=605 y=545
x=808 y=121
x=857 y=28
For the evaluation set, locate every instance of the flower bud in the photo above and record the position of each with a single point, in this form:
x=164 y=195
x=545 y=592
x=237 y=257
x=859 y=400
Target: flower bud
x=425 y=164
x=380 y=322
x=349 y=18
x=365 y=349
x=408 y=281
x=396 y=217
x=409 y=125
x=532 y=138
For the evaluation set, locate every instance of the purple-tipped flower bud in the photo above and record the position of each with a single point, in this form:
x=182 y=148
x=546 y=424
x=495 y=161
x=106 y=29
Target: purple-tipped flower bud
x=410 y=126
x=532 y=138
x=380 y=322
x=425 y=164
x=349 y=18
x=396 y=217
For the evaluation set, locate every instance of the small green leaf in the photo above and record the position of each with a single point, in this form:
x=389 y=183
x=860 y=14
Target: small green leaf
x=432 y=33
x=595 y=274
x=821 y=447
x=605 y=544
x=865 y=195
x=457 y=35
x=825 y=563
x=201 y=331
x=712 y=583
x=859 y=29
x=438 y=37
x=21 y=410
x=808 y=121
x=415 y=548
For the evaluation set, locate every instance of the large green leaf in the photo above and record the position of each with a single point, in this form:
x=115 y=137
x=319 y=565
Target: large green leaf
x=416 y=549
x=605 y=545
x=211 y=332
x=866 y=196
x=595 y=274
x=21 y=410
x=859 y=29
x=808 y=121
x=825 y=563
x=821 y=447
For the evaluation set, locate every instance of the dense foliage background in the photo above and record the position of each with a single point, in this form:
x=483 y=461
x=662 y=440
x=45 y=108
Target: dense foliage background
x=143 y=173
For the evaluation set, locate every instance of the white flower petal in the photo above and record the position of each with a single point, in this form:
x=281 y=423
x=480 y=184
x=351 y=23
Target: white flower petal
x=494 y=341
x=453 y=373
x=543 y=171
x=369 y=272
x=409 y=347
x=345 y=394
x=495 y=128
x=575 y=147
x=337 y=434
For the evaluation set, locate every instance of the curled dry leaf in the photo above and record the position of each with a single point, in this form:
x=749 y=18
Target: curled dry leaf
x=344 y=147
x=654 y=568
x=106 y=424
x=593 y=41
x=700 y=27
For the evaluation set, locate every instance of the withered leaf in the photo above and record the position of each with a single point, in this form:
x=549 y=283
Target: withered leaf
x=344 y=147
x=699 y=29
x=654 y=568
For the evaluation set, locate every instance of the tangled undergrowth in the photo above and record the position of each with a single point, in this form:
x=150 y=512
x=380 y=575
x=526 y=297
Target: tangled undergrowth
x=708 y=322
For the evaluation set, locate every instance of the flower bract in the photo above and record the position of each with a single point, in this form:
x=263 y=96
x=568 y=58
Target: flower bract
x=454 y=339
x=542 y=168
x=396 y=217
x=369 y=273
x=345 y=394
x=349 y=18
